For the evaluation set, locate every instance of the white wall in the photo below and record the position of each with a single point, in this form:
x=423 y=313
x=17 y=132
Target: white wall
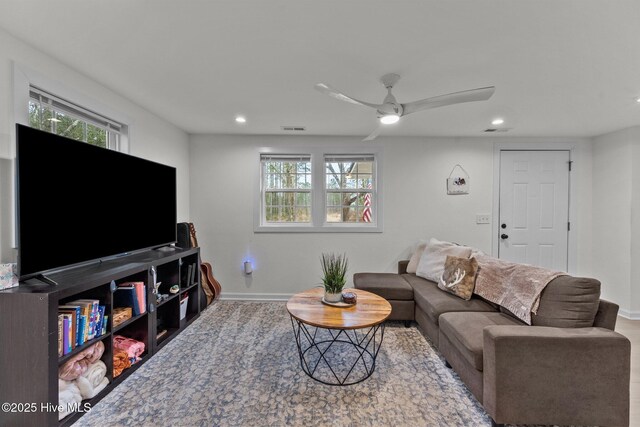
x=150 y=136
x=416 y=206
x=616 y=217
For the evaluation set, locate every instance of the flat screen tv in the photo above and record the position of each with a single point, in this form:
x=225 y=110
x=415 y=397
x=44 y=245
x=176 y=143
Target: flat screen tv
x=78 y=203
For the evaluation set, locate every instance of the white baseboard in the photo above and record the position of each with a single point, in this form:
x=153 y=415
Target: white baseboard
x=254 y=297
x=631 y=315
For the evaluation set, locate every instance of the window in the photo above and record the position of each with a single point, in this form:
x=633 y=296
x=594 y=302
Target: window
x=349 y=185
x=56 y=115
x=287 y=189
x=319 y=192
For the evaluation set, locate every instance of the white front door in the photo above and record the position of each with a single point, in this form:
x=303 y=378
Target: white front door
x=534 y=207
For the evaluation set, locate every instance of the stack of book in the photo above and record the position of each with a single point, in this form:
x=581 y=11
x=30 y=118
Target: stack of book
x=78 y=322
x=131 y=294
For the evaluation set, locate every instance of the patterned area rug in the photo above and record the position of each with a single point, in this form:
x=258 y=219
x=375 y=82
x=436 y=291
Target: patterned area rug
x=238 y=365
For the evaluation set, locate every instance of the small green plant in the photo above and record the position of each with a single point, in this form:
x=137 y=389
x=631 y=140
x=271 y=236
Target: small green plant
x=334 y=269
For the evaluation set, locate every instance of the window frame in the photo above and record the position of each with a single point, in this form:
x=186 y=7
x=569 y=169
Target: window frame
x=350 y=157
x=318 y=223
x=24 y=78
x=264 y=190
x=58 y=105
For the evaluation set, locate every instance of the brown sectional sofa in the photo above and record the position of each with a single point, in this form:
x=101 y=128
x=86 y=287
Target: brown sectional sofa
x=568 y=368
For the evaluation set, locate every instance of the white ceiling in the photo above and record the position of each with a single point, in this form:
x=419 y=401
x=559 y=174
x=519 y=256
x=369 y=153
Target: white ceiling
x=561 y=67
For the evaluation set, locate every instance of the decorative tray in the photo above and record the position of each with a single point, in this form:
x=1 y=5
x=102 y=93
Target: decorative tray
x=341 y=304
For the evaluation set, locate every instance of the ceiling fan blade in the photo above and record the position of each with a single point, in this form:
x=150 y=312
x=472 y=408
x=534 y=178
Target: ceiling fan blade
x=326 y=89
x=373 y=134
x=481 y=94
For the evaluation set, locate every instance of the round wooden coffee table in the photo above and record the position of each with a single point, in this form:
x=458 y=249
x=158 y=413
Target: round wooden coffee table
x=338 y=345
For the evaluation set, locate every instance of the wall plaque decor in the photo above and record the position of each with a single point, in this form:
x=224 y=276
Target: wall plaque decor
x=458 y=182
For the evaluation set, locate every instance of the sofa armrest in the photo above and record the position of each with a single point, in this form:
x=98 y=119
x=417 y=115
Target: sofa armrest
x=402 y=266
x=607 y=315
x=565 y=376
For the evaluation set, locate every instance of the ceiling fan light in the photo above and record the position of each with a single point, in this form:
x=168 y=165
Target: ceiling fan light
x=389 y=119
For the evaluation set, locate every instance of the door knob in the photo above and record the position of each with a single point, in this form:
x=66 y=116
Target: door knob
x=504 y=236
x=503 y=226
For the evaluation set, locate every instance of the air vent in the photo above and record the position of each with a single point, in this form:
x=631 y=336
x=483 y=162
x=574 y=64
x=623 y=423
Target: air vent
x=497 y=130
x=293 y=128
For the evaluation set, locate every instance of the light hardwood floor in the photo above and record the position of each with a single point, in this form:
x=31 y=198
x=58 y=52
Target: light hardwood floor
x=631 y=330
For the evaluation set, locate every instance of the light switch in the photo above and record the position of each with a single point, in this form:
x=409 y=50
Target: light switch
x=483 y=219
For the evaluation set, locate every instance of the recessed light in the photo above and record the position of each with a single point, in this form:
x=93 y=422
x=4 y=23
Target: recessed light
x=389 y=119
x=497 y=122
x=638 y=100
x=240 y=119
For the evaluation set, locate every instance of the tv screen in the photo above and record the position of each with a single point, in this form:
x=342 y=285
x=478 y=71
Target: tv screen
x=78 y=202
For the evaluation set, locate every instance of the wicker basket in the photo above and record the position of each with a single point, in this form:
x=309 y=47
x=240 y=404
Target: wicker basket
x=120 y=314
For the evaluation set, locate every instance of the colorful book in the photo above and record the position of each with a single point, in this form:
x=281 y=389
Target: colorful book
x=76 y=309
x=82 y=324
x=126 y=296
x=92 y=307
x=60 y=336
x=101 y=309
x=85 y=310
x=142 y=297
x=73 y=325
x=105 y=321
x=70 y=334
x=66 y=321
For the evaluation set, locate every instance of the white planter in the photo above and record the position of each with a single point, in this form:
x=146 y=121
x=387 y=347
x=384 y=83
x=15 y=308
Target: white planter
x=331 y=297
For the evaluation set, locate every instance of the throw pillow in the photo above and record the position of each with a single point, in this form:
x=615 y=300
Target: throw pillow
x=431 y=265
x=459 y=276
x=415 y=258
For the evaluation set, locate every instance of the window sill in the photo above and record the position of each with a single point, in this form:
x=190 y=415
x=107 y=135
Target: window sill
x=332 y=228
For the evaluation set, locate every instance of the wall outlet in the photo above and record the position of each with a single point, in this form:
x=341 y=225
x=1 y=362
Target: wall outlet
x=483 y=219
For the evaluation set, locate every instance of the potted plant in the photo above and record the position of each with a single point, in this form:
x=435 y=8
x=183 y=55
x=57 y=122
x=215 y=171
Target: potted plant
x=334 y=269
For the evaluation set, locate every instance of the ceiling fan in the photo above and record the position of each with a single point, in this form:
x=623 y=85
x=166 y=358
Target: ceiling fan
x=390 y=110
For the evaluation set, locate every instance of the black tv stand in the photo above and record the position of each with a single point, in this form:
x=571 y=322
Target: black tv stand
x=30 y=355
x=46 y=280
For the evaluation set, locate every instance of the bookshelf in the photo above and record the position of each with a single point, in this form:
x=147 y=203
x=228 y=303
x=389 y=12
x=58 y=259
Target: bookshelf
x=29 y=358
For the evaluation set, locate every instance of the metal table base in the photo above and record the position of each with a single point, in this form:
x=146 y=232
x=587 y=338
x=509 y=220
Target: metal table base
x=316 y=346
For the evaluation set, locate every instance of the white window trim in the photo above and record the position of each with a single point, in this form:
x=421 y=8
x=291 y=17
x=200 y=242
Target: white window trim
x=319 y=195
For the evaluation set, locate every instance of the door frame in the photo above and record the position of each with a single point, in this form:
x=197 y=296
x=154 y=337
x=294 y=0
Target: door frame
x=498 y=147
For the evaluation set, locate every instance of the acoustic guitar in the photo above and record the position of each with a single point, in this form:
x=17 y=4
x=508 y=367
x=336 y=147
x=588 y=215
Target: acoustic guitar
x=210 y=285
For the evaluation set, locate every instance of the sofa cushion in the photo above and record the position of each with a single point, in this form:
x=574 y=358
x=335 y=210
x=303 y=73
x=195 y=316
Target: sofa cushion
x=464 y=331
x=433 y=301
x=568 y=302
x=389 y=286
x=431 y=263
